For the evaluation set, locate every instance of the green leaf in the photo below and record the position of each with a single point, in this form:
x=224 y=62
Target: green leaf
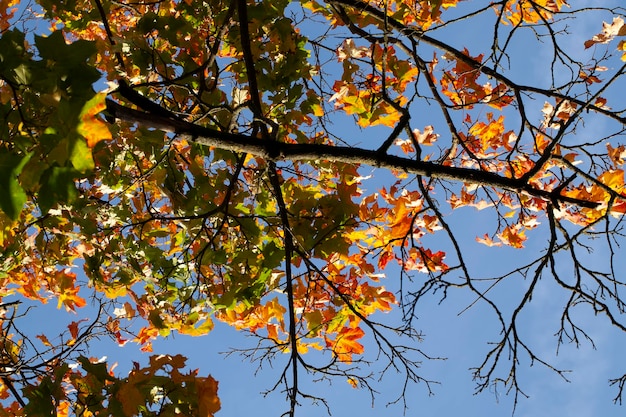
x=12 y=195
x=98 y=370
x=58 y=187
x=70 y=62
x=80 y=156
x=11 y=50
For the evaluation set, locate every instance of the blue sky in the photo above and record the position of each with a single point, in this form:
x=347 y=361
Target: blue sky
x=462 y=338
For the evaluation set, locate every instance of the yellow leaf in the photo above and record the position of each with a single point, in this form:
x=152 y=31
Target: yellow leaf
x=113 y=291
x=622 y=47
x=92 y=127
x=68 y=292
x=318 y=111
x=201 y=330
x=387 y=120
x=510 y=214
x=613 y=179
x=63 y=409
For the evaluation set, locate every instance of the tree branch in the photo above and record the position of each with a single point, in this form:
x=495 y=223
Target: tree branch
x=275 y=151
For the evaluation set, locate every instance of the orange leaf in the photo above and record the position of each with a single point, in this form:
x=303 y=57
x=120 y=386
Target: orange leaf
x=44 y=340
x=613 y=179
x=92 y=127
x=428 y=137
x=346 y=344
x=617 y=155
x=490 y=134
x=71 y=299
x=513 y=236
x=486 y=240
x=144 y=336
x=208 y=401
x=73 y=328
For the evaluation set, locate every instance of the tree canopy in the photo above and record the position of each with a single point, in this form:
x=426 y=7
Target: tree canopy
x=264 y=163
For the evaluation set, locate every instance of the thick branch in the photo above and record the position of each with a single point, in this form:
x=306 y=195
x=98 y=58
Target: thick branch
x=275 y=151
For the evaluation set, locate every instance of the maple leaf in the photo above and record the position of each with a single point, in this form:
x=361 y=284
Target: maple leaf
x=622 y=47
x=63 y=409
x=349 y=50
x=130 y=396
x=6 y=13
x=346 y=343
x=513 y=236
x=208 y=401
x=145 y=335
x=589 y=79
x=491 y=134
x=91 y=127
x=68 y=293
x=428 y=137
x=74 y=330
x=466 y=199
x=486 y=240
x=617 y=155
x=613 y=179
x=71 y=300
x=229 y=181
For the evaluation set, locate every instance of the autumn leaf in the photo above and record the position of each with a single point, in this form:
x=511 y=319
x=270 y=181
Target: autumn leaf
x=609 y=32
x=67 y=291
x=617 y=155
x=245 y=175
x=513 y=236
x=91 y=127
x=208 y=401
x=44 y=340
x=145 y=335
x=622 y=47
x=71 y=300
x=486 y=240
x=613 y=179
x=346 y=343
x=74 y=331
x=428 y=137
x=130 y=397
x=349 y=50
x=7 y=10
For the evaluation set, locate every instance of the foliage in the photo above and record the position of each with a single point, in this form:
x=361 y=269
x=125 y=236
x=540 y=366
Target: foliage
x=215 y=160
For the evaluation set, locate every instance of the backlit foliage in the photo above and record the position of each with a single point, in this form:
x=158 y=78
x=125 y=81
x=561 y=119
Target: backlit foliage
x=266 y=163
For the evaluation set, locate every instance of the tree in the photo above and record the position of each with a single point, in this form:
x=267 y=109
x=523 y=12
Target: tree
x=261 y=163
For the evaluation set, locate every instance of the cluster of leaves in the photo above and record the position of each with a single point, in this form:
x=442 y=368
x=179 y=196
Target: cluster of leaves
x=90 y=388
x=213 y=177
